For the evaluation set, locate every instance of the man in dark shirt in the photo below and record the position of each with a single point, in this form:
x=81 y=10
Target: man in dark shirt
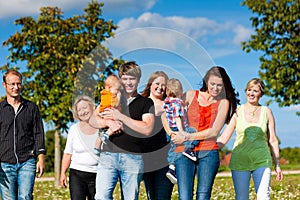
x=121 y=155
x=22 y=141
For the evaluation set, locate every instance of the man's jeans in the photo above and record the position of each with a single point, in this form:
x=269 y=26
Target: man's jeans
x=111 y=167
x=261 y=178
x=17 y=180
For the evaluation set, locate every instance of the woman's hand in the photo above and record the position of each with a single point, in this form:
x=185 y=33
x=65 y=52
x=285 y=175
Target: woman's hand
x=279 y=174
x=178 y=137
x=63 y=180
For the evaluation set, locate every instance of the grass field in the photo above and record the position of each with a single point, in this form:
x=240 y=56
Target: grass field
x=287 y=189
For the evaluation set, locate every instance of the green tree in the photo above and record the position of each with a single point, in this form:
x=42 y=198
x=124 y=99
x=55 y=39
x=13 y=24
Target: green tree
x=64 y=58
x=277 y=30
x=49 y=143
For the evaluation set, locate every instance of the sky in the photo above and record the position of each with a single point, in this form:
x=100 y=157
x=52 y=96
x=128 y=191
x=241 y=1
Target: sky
x=182 y=38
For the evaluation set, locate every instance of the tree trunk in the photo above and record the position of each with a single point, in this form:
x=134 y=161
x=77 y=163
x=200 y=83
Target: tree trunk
x=57 y=158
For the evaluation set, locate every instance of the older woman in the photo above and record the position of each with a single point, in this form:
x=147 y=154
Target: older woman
x=251 y=155
x=208 y=110
x=78 y=154
x=155 y=151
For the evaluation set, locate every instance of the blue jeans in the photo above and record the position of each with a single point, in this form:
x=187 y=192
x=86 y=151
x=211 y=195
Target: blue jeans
x=111 y=167
x=172 y=156
x=206 y=168
x=158 y=186
x=17 y=180
x=261 y=178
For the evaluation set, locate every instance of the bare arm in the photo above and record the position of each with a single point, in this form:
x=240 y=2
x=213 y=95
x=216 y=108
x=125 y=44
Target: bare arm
x=207 y=133
x=217 y=125
x=100 y=122
x=165 y=124
x=144 y=126
x=227 y=133
x=65 y=163
x=273 y=141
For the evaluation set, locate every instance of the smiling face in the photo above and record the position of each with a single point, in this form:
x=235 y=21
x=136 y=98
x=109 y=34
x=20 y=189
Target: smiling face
x=130 y=84
x=214 y=85
x=84 y=110
x=158 y=87
x=12 y=85
x=253 y=94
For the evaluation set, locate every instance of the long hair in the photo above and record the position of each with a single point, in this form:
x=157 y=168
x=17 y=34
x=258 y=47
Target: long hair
x=228 y=91
x=146 y=91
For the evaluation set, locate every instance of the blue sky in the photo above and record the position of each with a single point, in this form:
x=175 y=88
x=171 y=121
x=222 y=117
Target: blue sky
x=185 y=39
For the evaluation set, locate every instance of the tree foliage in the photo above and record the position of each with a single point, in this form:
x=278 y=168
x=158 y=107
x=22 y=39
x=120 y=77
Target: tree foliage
x=56 y=50
x=277 y=36
x=49 y=144
x=291 y=154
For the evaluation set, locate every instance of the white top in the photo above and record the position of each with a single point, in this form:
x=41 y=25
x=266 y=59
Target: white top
x=81 y=147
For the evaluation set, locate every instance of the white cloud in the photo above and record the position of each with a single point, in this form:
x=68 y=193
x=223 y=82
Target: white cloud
x=241 y=34
x=295 y=108
x=193 y=27
x=222 y=38
x=32 y=7
x=127 y=7
x=19 y=8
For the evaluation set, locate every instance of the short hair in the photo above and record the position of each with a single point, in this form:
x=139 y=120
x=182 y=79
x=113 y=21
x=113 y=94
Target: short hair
x=11 y=71
x=111 y=80
x=80 y=98
x=174 y=88
x=130 y=68
x=256 y=81
x=146 y=92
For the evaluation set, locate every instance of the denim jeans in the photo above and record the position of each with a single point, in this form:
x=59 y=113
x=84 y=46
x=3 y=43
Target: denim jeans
x=82 y=185
x=111 y=167
x=172 y=156
x=158 y=186
x=261 y=178
x=17 y=180
x=206 y=168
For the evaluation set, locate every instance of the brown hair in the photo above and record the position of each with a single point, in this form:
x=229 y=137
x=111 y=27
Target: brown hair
x=11 y=71
x=155 y=75
x=228 y=91
x=130 y=68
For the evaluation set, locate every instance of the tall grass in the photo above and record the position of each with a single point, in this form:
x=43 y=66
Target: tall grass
x=287 y=189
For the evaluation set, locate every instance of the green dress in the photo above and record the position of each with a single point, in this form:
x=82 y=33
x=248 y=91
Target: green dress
x=251 y=149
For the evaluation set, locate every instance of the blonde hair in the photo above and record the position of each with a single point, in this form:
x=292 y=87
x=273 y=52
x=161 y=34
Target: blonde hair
x=174 y=88
x=256 y=81
x=88 y=99
x=111 y=81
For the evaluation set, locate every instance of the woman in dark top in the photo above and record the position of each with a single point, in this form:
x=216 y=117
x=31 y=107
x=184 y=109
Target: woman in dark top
x=155 y=148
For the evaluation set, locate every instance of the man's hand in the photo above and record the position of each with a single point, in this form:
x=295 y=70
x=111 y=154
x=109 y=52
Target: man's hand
x=40 y=165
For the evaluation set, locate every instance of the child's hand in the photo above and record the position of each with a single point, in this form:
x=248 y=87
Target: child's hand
x=115 y=126
x=98 y=143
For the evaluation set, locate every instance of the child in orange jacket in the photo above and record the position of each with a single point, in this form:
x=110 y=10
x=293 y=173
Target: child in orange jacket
x=110 y=98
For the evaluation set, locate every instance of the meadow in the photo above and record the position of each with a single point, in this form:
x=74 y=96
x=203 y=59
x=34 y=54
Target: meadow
x=287 y=189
